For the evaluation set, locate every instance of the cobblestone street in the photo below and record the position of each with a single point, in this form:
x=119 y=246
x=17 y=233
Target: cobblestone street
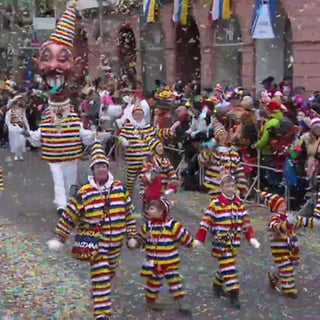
x=37 y=284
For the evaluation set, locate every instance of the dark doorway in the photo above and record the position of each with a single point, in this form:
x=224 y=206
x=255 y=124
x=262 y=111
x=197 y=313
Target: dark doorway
x=188 y=53
x=128 y=55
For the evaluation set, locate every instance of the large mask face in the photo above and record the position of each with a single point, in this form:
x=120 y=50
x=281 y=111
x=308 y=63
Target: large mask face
x=55 y=65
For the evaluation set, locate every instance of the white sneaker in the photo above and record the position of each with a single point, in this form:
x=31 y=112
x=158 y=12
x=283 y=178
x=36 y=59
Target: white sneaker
x=21 y=158
x=16 y=158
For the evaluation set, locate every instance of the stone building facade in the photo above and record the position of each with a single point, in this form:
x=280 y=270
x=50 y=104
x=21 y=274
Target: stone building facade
x=220 y=51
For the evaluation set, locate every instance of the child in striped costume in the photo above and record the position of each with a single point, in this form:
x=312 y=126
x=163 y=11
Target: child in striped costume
x=226 y=218
x=88 y=208
x=1 y=180
x=220 y=159
x=133 y=136
x=284 y=243
x=160 y=236
x=158 y=176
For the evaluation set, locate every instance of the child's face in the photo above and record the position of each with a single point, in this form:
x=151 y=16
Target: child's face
x=154 y=212
x=229 y=189
x=159 y=149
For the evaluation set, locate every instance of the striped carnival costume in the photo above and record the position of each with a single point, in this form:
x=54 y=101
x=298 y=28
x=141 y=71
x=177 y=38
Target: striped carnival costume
x=158 y=177
x=219 y=160
x=1 y=180
x=62 y=143
x=284 y=243
x=109 y=205
x=226 y=218
x=134 y=137
x=160 y=236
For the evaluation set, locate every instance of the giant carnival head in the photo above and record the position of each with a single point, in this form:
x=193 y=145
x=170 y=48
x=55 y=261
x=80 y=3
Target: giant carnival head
x=55 y=60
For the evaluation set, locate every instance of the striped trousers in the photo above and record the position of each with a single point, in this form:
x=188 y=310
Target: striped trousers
x=286 y=274
x=226 y=275
x=133 y=170
x=102 y=270
x=154 y=283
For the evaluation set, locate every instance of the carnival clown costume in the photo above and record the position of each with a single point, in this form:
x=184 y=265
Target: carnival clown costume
x=101 y=204
x=284 y=243
x=61 y=133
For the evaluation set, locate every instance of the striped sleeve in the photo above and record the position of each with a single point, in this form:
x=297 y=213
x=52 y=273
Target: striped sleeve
x=316 y=213
x=181 y=234
x=1 y=179
x=277 y=225
x=69 y=218
x=130 y=220
x=206 y=223
x=305 y=222
x=204 y=158
x=246 y=226
x=164 y=134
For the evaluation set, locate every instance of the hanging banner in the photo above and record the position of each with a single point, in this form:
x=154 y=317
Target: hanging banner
x=262 y=22
x=148 y=14
x=221 y=9
x=180 y=11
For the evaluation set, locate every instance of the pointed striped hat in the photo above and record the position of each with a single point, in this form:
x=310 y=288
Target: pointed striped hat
x=273 y=201
x=64 y=33
x=98 y=155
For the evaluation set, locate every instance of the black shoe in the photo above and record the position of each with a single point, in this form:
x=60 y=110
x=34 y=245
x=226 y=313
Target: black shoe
x=234 y=299
x=60 y=211
x=102 y=318
x=218 y=291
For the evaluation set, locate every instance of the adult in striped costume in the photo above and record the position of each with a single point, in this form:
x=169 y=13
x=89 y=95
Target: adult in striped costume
x=61 y=140
x=133 y=136
x=284 y=243
x=225 y=219
x=158 y=176
x=160 y=236
x=61 y=134
x=222 y=158
x=102 y=200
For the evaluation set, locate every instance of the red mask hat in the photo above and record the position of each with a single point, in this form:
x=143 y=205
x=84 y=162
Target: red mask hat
x=55 y=61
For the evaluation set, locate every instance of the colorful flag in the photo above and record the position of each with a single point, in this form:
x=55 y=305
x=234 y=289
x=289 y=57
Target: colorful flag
x=221 y=9
x=263 y=18
x=180 y=11
x=148 y=14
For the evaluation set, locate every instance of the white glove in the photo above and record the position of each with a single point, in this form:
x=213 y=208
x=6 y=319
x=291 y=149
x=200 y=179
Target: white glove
x=197 y=244
x=255 y=243
x=291 y=219
x=124 y=142
x=54 y=245
x=168 y=192
x=132 y=243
